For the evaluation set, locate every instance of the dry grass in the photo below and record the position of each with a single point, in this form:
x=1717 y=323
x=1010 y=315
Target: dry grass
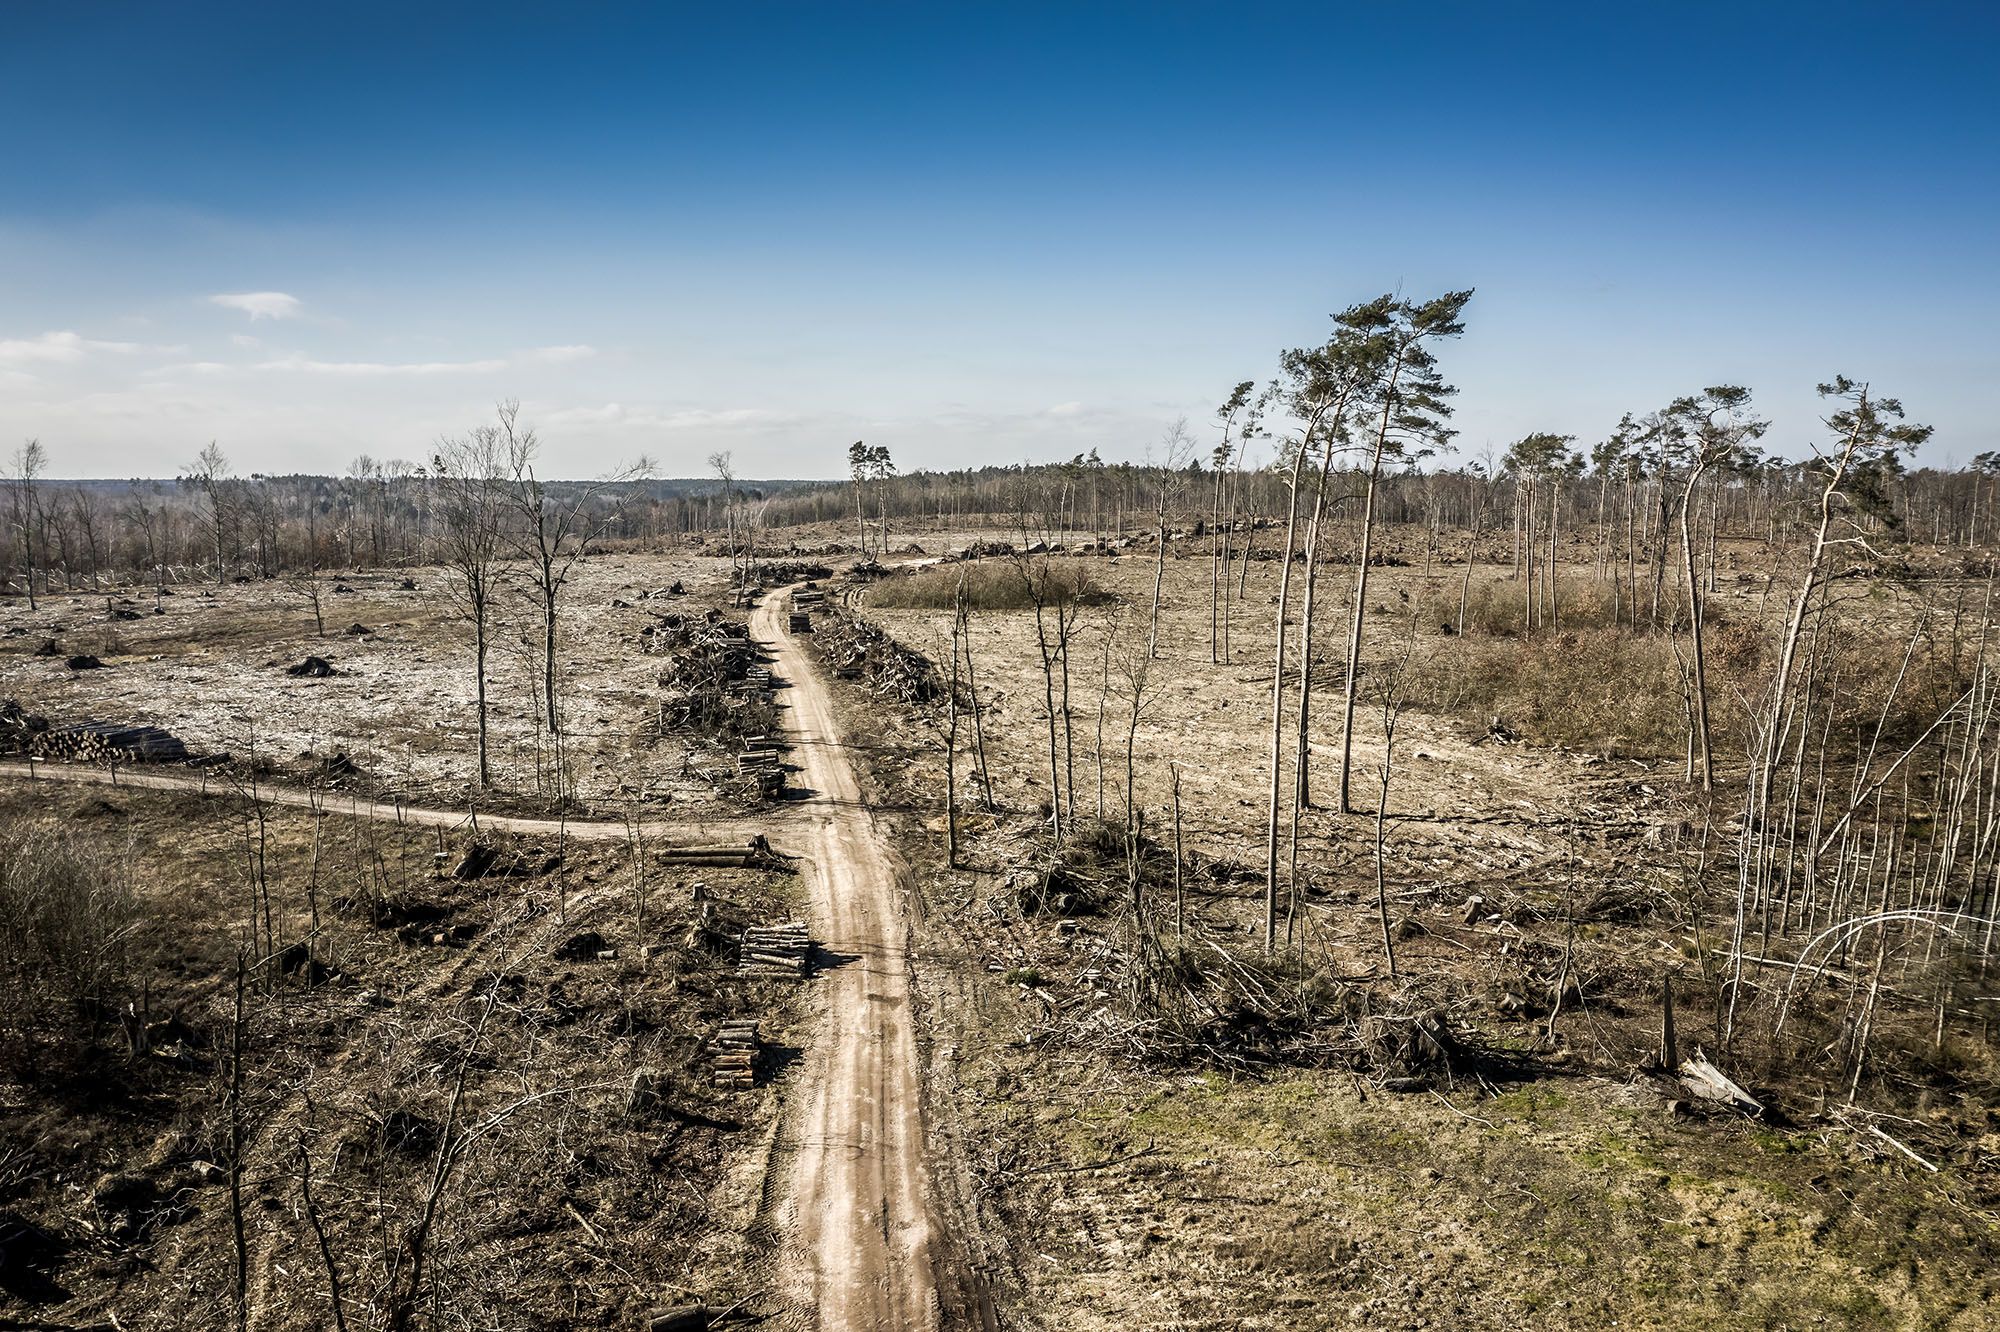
x=67 y=911
x=354 y=1057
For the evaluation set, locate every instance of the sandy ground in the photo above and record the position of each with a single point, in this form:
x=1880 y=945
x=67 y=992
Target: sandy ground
x=211 y=669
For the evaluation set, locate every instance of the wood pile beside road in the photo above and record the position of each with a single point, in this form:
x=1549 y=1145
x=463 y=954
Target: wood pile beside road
x=783 y=950
x=733 y=1054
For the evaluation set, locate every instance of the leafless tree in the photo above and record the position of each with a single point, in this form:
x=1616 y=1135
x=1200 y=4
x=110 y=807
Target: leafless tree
x=470 y=518
x=550 y=532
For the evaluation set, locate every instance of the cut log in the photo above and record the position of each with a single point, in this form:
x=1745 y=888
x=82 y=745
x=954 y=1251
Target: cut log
x=1710 y=1083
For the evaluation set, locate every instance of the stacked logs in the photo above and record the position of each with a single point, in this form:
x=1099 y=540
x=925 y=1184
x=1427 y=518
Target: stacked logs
x=759 y=762
x=733 y=1054
x=103 y=742
x=725 y=855
x=24 y=732
x=775 y=950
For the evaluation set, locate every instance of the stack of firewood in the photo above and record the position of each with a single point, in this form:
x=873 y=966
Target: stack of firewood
x=775 y=950
x=734 y=1052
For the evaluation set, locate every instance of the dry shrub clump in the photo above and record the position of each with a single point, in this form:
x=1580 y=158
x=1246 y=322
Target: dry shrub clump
x=1604 y=689
x=998 y=586
x=1499 y=609
x=67 y=911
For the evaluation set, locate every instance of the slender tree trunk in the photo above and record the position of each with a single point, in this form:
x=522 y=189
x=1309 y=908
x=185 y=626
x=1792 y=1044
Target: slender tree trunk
x=1707 y=763
x=479 y=676
x=1278 y=703
x=1359 y=620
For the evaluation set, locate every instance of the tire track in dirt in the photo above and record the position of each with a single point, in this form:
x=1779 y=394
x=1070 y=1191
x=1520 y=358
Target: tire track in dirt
x=340 y=804
x=860 y=1240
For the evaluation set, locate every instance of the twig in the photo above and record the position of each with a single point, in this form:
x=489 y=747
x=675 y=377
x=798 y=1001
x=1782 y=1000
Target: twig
x=1470 y=1119
x=1148 y=1150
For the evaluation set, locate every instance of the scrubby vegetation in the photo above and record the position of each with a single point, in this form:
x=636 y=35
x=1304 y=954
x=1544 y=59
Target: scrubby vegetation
x=67 y=912
x=995 y=586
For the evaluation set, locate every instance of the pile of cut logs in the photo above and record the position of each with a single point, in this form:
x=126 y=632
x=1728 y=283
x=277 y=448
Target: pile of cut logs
x=724 y=855
x=734 y=1051
x=86 y=742
x=775 y=950
x=759 y=760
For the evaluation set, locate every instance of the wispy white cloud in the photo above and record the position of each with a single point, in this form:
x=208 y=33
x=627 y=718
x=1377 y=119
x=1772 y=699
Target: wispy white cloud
x=560 y=355
x=380 y=369
x=59 y=348
x=617 y=415
x=260 y=304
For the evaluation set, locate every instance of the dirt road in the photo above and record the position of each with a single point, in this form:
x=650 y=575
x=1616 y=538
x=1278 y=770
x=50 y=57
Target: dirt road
x=860 y=1230
x=340 y=804
x=857 y=1248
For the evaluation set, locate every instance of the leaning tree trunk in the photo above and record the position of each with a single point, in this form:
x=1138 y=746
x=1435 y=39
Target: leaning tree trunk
x=1695 y=635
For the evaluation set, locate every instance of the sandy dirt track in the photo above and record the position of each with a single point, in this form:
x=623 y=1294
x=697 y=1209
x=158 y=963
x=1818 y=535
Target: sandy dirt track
x=343 y=805
x=857 y=1232
x=859 y=1227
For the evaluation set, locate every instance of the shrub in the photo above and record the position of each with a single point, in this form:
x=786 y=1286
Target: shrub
x=1597 y=689
x=1495 y=608
x=66 y=913
x=1002 y=585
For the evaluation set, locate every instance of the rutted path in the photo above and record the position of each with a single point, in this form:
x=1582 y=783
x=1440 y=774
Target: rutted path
x=858 y=1221
x=343 y=805
x=857 y=1244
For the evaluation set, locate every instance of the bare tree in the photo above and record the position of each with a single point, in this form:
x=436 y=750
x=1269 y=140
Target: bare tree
x=551 y=531
x=719 y=463
x=209 y=473
x=1177 y=447
x=29 y=461
x=467 y=473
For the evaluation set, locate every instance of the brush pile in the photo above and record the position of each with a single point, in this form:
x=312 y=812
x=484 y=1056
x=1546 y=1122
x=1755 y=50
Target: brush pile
x=857 y=650
x=777 y=574
x=716 y=685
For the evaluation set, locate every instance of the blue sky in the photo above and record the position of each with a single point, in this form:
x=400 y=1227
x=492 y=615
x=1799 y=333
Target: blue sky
x=972 y=233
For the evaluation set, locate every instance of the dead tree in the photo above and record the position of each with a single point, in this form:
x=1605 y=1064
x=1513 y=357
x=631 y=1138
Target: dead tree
x=469 y=512
x=551 y=531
